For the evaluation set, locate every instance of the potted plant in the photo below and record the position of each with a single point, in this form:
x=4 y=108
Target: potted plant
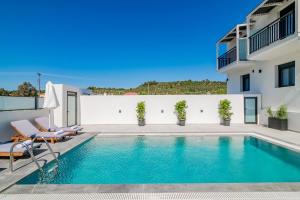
x=278 y=121
x=225 y=112
x=180 y=109
x=140 y=113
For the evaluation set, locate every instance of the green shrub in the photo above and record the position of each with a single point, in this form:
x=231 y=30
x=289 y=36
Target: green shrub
x=225 y=109
x=141 y=110
x=282 y=113
x=180 y=109
x=270 y=112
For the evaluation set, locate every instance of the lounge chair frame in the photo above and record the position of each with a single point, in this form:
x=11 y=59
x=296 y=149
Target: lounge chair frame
x=15 y=154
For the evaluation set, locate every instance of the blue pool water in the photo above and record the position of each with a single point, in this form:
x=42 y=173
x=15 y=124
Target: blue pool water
x=162 y=159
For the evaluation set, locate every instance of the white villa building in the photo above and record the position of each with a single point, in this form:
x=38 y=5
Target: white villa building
x=262 y=56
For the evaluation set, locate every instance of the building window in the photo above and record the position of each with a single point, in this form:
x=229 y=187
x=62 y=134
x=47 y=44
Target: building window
x=245 y=83
x=286 y=75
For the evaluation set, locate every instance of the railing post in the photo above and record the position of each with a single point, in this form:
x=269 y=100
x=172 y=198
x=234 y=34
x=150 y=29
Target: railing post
x=268 y=35
x=36 y=103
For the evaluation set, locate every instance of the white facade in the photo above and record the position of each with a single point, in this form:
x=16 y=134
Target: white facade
x=265 y=59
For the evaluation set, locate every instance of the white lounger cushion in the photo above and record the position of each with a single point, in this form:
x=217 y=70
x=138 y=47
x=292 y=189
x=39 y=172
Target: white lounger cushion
x=5 y=148
x=51 y=135
x=70 y=129
x=59 y=132
x=44 y=123
x=27 y=143
x=27 y=129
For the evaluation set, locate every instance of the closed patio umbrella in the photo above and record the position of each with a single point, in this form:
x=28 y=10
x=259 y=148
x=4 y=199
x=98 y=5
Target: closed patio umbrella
x=50 y=101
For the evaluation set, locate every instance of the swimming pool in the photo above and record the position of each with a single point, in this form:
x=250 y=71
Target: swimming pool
x=176 y=160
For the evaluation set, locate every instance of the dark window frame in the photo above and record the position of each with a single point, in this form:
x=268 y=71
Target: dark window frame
x=256 y=111
x=244 y=78
x=291 y=66
x=71 y=93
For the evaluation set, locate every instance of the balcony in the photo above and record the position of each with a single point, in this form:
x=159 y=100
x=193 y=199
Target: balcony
x=227 y=58
x=275 y=31
x=235 y=46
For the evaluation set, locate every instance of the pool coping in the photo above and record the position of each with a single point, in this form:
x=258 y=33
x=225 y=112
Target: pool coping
x=12 y=188
x=153 y=188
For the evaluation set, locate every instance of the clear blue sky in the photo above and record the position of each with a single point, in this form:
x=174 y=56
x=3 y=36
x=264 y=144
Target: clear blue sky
x=117 y=43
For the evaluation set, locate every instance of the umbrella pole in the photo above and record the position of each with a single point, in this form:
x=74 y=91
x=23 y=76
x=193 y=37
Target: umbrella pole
x=49 y=120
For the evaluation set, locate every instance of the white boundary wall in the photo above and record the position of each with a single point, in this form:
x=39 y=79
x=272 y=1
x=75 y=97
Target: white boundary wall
x=202 y=109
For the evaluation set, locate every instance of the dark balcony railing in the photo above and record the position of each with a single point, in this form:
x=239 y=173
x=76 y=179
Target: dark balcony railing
x=227 y=58
x=277 y=30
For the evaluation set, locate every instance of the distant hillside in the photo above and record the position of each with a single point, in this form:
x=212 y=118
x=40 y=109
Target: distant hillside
x=164 y=88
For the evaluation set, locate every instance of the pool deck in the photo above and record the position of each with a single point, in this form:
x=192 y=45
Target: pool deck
x=24 y=167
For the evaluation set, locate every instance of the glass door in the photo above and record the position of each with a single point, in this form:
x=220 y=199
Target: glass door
x=250 y=110
x=71 y=108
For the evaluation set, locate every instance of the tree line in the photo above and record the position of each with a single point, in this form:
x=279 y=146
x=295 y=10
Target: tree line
x=26 y=89
x=188 y=87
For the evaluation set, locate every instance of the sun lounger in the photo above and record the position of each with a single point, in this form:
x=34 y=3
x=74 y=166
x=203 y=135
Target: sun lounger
x=43 y=124
x=25 y=131
x=18 y=151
